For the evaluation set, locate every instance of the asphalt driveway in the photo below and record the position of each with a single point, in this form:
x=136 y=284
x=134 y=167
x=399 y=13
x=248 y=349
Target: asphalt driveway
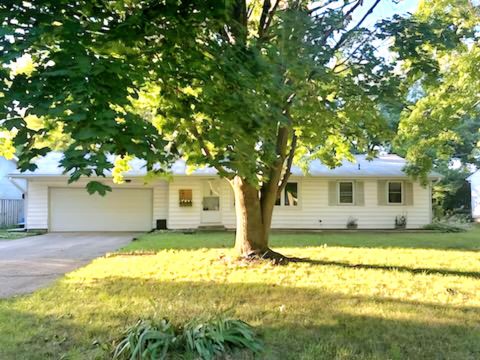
x=34 y=262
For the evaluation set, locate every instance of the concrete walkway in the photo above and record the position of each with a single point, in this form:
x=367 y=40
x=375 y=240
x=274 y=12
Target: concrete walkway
x=34 y=262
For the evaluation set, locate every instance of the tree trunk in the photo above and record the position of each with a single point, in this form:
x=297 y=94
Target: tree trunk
x=251 y=238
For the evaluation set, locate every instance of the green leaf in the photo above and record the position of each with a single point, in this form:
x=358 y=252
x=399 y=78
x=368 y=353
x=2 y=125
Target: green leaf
x=97 y=187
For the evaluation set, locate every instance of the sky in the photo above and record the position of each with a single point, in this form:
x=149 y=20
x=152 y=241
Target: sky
x=386 y=9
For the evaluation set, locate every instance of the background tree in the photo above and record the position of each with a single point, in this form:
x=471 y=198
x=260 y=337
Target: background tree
x=247 y=87
x=452 y=194
x=439 y=123
x=440 y=117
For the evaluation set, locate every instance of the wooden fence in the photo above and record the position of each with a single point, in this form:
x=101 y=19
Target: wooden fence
x=11 y=212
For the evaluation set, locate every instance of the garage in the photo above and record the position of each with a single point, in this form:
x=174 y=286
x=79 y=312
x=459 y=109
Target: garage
x=74 y=209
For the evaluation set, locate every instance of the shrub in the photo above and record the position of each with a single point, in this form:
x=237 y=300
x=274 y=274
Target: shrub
x=400 y=222
x=446 y=227
x=451 y=224
x=198 y=339
x=352 y=223
x=146 y=340
x=218 y=336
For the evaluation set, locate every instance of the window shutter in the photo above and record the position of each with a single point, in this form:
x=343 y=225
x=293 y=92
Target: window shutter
x=359 y=193
x=332 y=193
x=382 y=192
x=408 y=193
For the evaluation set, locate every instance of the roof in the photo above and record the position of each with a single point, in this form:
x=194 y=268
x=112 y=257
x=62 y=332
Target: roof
x=474 y=175
x=382 y=166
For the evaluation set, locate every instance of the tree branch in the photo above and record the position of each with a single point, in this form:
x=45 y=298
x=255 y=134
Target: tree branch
x=263 y=17
x=312 y=10
x=249 y=11
x=271 y=14
x=352 y=53
x=345 y=16
x=345 y=35
x=291 y=155
x=221 y=170
x=239 y=21
x=353 y=8
x=282 y=141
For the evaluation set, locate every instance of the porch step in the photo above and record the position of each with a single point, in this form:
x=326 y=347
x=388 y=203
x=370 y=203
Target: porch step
x=211 y=228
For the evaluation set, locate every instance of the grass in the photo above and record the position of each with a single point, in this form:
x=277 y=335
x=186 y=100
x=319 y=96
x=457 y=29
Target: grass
x=11 y=235
x=363 y=296
x=409 y=240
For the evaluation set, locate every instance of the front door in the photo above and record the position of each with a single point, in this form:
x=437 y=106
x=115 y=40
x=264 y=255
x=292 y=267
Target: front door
x=211 y=202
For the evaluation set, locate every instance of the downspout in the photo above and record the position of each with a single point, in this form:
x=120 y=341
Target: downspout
x=17 y=185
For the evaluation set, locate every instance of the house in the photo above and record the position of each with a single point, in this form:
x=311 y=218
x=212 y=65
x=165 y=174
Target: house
x=373 y=192
x=11 y=195
x=10 y=190
x=474 y=181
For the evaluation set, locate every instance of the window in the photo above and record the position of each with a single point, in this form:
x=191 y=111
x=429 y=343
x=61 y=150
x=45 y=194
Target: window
x=185 y=197
x=395 y=192
x=211 y=203
x=345 y=192
x=291 y=194
x=211 y=195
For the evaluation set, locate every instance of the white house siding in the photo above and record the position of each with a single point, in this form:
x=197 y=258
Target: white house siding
x=36 y=216
x=314 y=212
x=475 y=191
x=37 y=199
x=191 y=217
x=160 y=201
x=184 y=217
x=315 y=208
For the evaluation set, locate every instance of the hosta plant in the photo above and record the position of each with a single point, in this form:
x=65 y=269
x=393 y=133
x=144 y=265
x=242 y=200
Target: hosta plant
x=146 y=340
x=199 y=339
x=212 y=338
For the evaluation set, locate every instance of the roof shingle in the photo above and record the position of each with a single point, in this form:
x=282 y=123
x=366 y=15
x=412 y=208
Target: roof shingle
x=382 y=166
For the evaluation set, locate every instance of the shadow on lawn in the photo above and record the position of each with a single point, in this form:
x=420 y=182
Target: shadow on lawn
x=296 y=323
x=467 y=241
x=30 y=336
x=426 y=271
x=299 y=323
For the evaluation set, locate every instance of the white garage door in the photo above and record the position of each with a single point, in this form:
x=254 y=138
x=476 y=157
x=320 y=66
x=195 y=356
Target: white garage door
x=119 y=210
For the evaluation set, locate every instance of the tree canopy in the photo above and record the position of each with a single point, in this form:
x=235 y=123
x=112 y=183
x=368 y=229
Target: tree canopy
x=212 y=81
x=440 y=117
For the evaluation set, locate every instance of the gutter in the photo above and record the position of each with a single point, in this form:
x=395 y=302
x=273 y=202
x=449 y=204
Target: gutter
x=17 y=185
x=323 y=176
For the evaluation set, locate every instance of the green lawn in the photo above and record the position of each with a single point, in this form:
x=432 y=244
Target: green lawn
x=416 y=240
x=362 y=296
x=9 y=235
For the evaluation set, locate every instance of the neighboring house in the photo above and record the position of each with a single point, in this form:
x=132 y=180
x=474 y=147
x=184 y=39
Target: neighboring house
x=11 y=195
x=474 y=181
x=8 y=189
x=373 y=192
